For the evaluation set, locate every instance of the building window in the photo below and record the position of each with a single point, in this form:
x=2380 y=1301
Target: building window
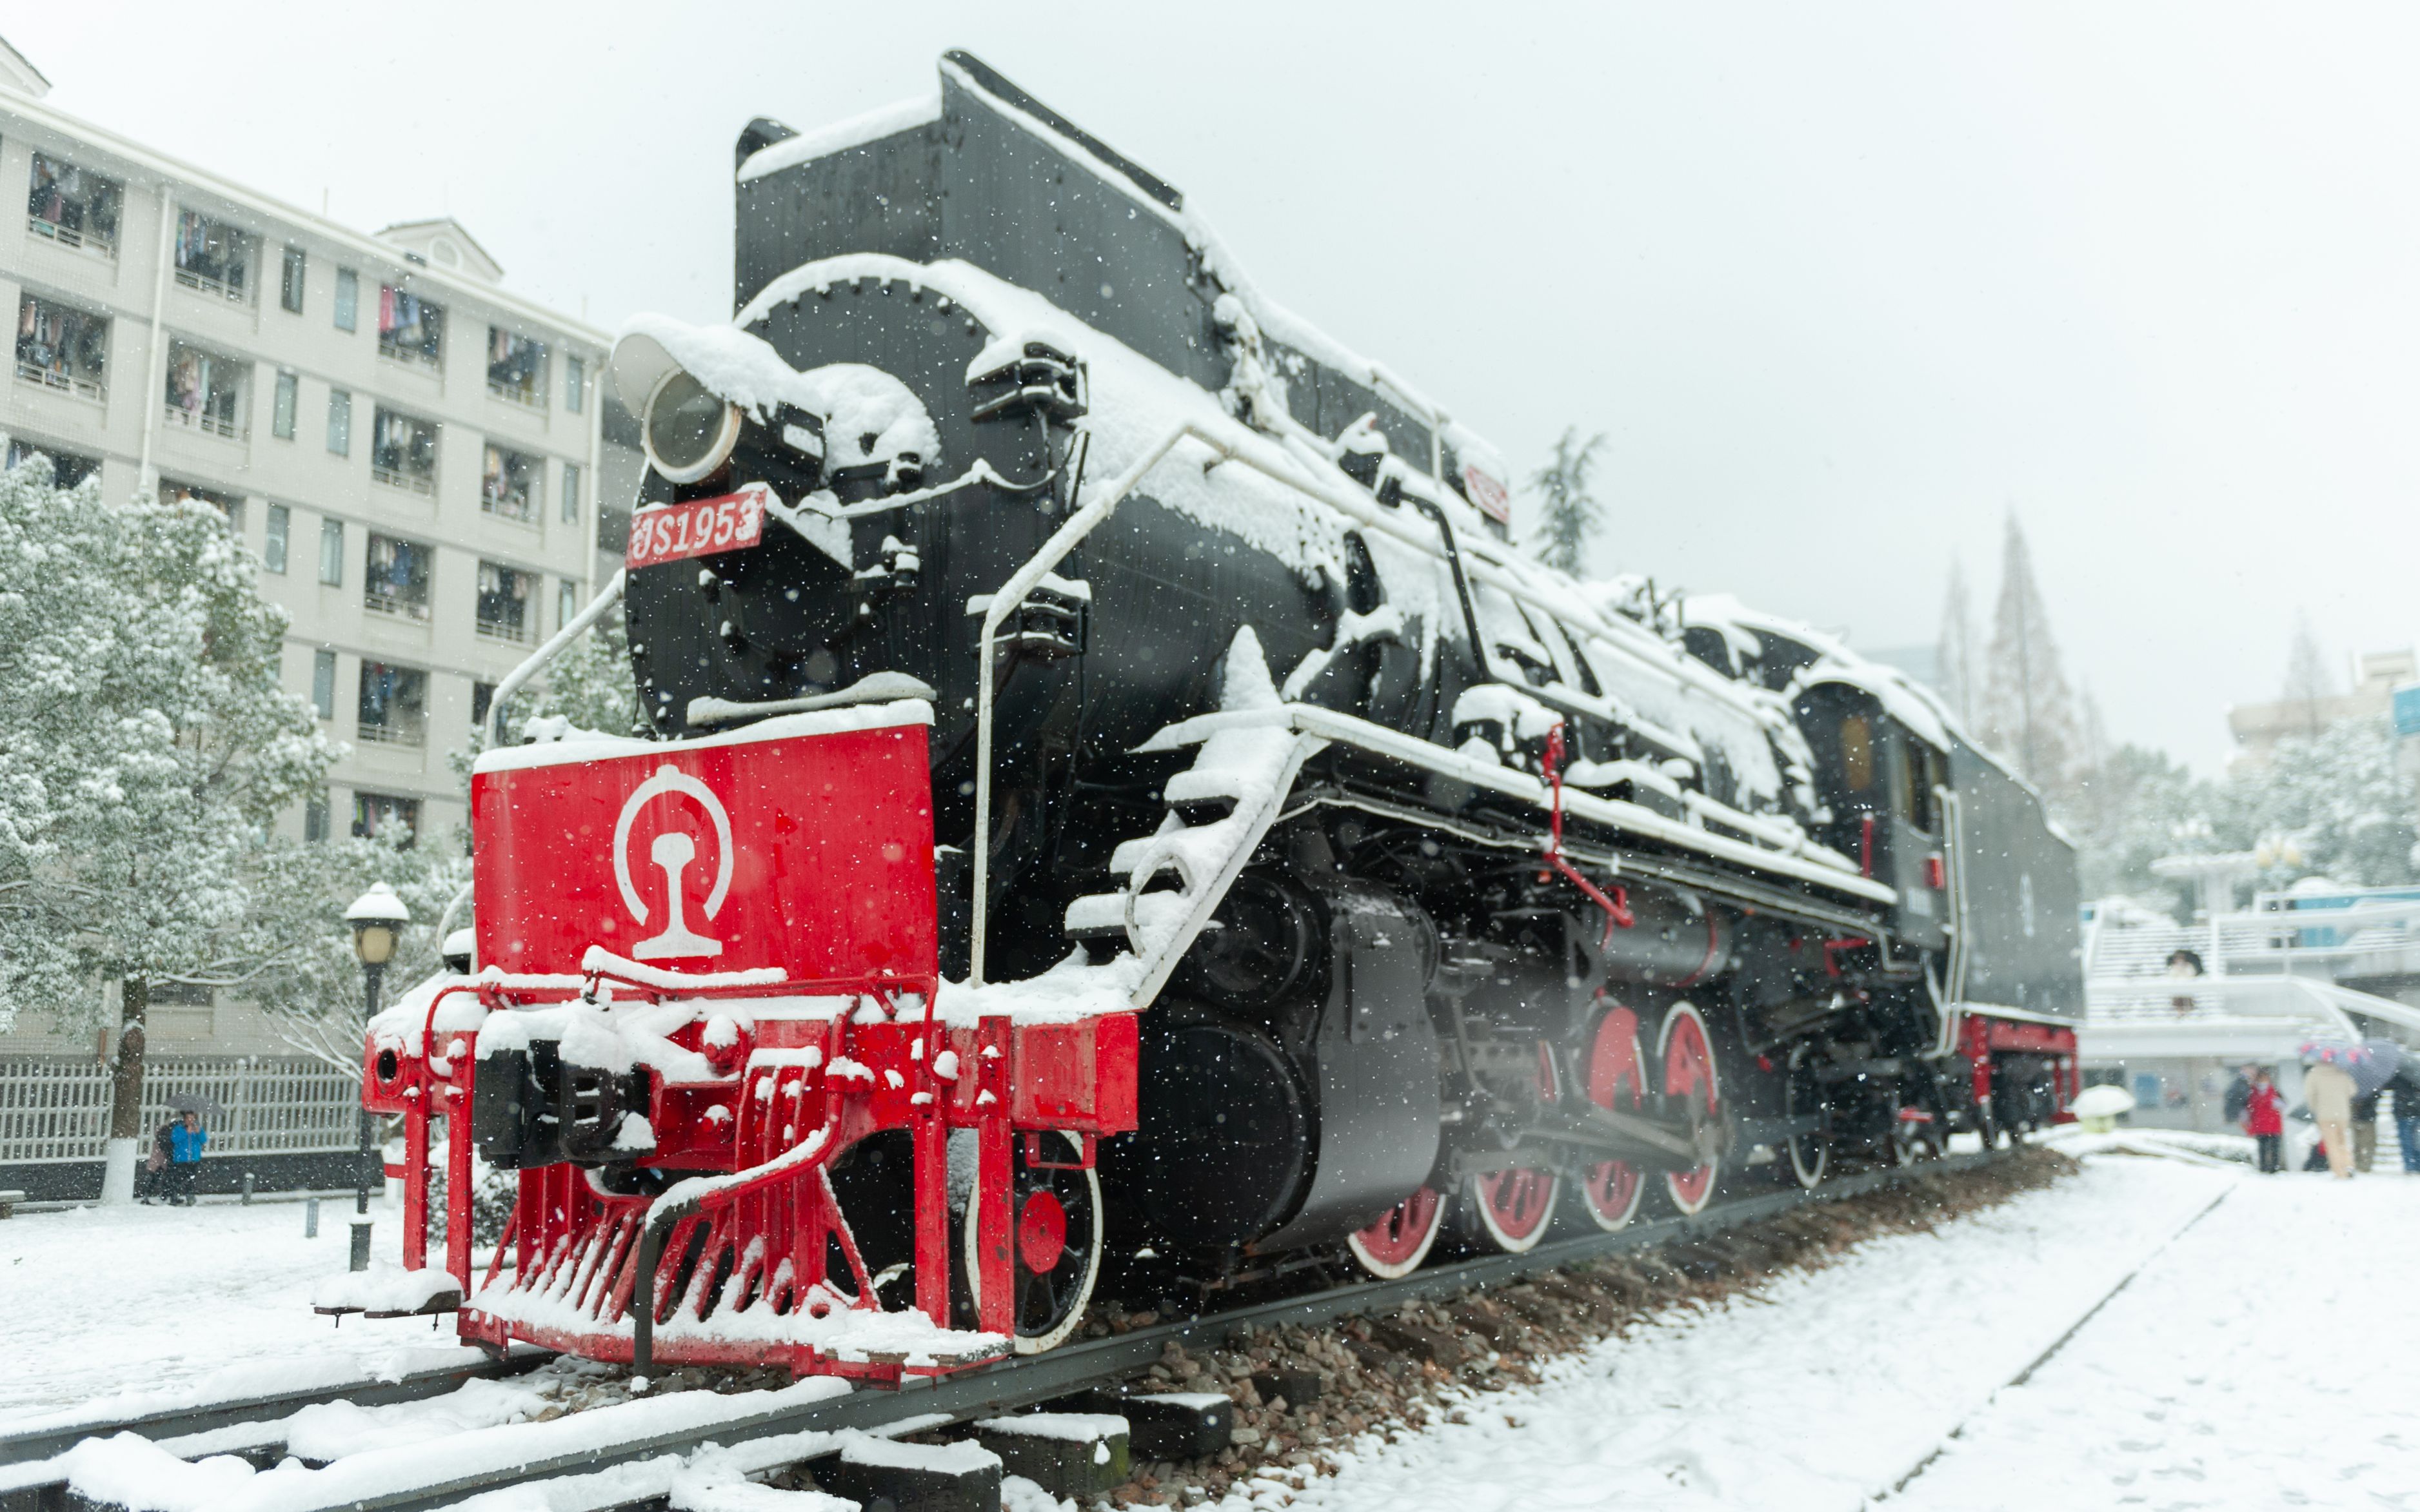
x=483 y=697
x=74 y=207
x=289 y=282
x=376 y=813
x=281 y=413
x=62 y=347
x=206 y=389
x=332 y=552
x=229 y=507
x=411 y=330
x=567 y=602
x=315 y=817
x=323 y=683
x=510 y=484
x=516 y=368
x=506 y=602
x=397 y=581
x=575 y=382
x=348 y=298
x=571 y=494
x=394 y=707
x=403 y=452
x=340 y=423
x=214 y=257
x=67 y=468
x=272 y=545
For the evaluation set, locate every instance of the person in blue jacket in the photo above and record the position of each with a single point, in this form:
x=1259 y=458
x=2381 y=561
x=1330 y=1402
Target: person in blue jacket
x=185 y=1142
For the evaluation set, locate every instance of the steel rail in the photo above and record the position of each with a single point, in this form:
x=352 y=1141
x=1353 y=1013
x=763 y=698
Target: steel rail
x=1098 y=1362
x=54 y=1436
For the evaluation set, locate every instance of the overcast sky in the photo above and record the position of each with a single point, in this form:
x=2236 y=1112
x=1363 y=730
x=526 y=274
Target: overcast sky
x=1843 y=285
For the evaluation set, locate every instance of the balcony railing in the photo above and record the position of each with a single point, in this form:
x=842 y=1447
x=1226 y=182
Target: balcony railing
x=201 y=420
x=235 y=293
x=99 y=245
x=63 y=382
x=531 y=398
x=414 y=734
x=518 y=508
x=503 y=630
x=395 y=605
x=408 y=482
x=408 y=355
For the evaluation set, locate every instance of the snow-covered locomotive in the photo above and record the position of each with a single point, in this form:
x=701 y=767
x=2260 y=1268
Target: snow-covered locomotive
x=1115 y=791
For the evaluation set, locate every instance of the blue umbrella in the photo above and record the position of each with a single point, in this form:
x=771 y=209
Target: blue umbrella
x=2372 y=1062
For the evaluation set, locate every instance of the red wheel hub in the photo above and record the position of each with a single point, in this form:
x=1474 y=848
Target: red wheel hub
x=1689 y=1074
x=1519 y=1199
x=1399 y=1235
x=1040 y=1233
x=1617 y=1079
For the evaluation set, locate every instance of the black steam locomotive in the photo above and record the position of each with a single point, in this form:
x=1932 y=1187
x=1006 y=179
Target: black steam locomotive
x=1457 y=896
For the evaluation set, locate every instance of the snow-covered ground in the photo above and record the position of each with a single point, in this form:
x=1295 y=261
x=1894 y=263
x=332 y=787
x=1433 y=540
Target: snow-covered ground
x=2261 y=1360
x=104 y=1300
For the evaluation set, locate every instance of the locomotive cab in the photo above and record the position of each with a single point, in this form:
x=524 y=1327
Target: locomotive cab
x=1884 y=785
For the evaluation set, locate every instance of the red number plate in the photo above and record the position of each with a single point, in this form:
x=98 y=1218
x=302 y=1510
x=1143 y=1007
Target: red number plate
x=700 y=528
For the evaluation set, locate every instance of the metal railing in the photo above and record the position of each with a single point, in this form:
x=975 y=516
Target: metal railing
x=51 y=378
x=54 y=1110
x=408 y=482
x=411 y=356
x=511 y=632
x=532 y=397
x=395 y=604
x=203 y=420
x=414 y=734
x=100 y=246
x=233 y=292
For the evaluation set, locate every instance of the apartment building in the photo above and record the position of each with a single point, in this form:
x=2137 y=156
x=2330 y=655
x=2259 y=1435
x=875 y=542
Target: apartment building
x=413 y=452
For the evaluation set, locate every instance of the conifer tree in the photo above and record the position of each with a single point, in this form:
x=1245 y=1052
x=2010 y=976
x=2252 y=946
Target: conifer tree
x=1954 y=651
x=1568 y=517
x=2308 y=684
x=2029 y=714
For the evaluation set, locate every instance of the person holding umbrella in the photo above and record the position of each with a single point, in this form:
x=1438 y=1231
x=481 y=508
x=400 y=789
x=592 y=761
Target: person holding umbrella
x=2334 y=1075
x=187 y=1138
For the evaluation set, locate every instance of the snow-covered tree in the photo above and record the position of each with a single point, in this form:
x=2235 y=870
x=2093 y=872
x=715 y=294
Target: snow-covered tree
x=146 y=746
x=2351 y=816
x=2028 y=712
x=1569 y=515
x=2309 y=683
x=2134 y=807
x=1954 y=651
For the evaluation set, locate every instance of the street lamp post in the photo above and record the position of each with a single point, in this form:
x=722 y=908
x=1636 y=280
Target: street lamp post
x=377 y=918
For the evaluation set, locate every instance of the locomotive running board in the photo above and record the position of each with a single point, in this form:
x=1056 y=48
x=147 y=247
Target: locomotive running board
x=1612 y=813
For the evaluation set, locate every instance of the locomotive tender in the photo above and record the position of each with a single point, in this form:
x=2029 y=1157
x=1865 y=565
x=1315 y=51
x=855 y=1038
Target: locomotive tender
x=1115 y=794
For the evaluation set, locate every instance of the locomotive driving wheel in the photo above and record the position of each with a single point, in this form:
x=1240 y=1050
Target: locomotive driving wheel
x=1510 y=1209
x=1802 y=1094
x=1394 y=1246
x=1687 y=1054
x=1615 y=1077
x=1054 y=1221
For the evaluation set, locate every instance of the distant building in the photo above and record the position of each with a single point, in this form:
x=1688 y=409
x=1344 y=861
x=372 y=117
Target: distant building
x=417 y=456
x=2259 y=726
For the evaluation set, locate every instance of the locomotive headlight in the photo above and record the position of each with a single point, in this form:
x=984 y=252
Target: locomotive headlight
x=686 y=428
x=689 y=431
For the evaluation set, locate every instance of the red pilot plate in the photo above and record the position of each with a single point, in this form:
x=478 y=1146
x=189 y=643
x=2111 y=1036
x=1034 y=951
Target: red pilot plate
x=699 y=527
x=803 y=842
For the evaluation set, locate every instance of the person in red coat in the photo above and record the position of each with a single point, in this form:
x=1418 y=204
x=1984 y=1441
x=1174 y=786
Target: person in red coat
x=2264 y=1120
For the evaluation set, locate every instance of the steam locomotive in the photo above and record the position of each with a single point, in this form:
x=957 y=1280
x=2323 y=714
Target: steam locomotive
x=1115 y=794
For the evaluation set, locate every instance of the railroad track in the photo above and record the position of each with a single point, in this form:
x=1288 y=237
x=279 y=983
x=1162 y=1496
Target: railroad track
x=592 y=1465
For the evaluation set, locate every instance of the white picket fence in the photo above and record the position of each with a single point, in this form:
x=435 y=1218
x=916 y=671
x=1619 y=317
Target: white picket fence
x=58 y=1109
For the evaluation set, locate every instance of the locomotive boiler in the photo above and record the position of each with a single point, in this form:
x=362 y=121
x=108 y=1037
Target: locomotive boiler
x=1115 y=797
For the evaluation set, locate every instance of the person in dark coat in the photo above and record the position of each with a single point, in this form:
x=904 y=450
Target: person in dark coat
x=185 y=1142
x=2264 y=1120
x=152 y=1180
x=2365 y=1131
x=2405 y=1089
x=2239 y=1091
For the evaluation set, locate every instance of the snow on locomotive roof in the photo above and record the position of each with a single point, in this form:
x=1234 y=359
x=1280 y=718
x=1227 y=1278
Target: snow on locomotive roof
x=1901 y=696
x=871 y=126
x=588 y=745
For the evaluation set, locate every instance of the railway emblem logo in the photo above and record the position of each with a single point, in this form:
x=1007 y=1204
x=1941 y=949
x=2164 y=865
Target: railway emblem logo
x=672 y=852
